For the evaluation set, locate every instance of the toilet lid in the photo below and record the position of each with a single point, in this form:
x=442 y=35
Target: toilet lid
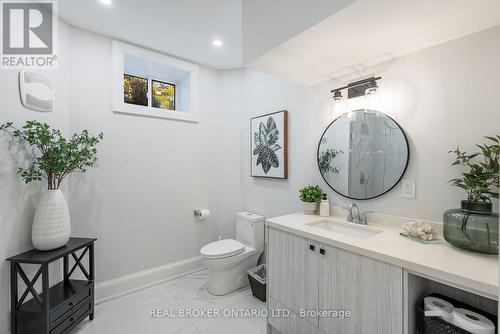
x=222 y=248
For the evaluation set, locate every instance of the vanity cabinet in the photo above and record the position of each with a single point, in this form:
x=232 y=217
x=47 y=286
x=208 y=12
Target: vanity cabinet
x=306 y=275
x=293 y=272
x=371 y=290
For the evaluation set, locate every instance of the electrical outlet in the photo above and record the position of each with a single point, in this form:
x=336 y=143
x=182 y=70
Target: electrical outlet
x=408 y=188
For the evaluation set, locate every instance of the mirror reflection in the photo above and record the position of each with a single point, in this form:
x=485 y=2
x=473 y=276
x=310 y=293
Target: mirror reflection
x=363 y=154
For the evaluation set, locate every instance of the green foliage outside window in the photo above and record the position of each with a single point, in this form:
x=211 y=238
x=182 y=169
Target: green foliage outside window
x=163 y=95
x=135 y=90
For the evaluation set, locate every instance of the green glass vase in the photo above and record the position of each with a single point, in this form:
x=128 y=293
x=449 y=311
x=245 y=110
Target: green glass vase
x=473 y=227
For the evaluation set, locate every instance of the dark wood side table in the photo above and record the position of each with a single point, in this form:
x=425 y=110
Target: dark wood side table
x=60 y=308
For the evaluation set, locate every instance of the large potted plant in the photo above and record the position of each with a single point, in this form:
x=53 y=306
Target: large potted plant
x=474 y=226
x=55 y=158
x=310 y=196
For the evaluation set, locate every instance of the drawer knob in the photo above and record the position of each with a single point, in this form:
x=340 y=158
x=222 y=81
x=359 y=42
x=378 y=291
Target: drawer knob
x=71 y=319
x=322 y=251
x=70 y=304
x=311 y=247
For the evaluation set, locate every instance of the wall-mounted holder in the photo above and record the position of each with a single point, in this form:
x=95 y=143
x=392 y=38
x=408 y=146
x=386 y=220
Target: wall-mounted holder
x=36 y=91
x=201 y=214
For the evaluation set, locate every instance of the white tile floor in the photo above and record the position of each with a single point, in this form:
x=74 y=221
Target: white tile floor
x=131 y=313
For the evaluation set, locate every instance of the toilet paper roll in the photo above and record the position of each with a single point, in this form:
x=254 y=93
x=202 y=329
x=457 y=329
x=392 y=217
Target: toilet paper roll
x=204 y=213
x=436 y=307
x=473 y=322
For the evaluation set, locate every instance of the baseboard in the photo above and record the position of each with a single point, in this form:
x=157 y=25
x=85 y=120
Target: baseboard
x=143 y=279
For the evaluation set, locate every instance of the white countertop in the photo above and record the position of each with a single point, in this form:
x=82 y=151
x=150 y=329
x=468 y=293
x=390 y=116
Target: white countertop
x=476 y=272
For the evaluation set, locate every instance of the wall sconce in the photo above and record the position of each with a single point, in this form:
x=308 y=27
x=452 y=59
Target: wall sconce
x=372 y=88
x=337 y=96
x=358 y=88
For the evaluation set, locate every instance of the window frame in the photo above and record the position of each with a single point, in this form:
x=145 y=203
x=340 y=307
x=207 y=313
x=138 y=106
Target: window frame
x=119 y=50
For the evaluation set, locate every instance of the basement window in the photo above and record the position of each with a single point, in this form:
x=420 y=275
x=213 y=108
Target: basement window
x=151 y=84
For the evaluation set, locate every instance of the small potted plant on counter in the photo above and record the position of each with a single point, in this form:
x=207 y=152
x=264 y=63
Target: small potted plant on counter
x=55 y=157
x=310 y=196
x=475 y=226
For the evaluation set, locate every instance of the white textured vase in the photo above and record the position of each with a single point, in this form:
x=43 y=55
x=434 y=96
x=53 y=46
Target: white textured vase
x=51 y=225
x=310 y=207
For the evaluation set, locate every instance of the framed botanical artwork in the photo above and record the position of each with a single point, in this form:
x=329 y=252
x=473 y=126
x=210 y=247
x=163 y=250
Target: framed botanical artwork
x=269 y=145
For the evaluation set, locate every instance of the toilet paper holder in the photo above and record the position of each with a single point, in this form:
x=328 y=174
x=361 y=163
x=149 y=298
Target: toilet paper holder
x=201 y=214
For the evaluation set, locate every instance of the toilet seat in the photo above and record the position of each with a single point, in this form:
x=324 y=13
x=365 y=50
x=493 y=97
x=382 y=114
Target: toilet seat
x=222 y=248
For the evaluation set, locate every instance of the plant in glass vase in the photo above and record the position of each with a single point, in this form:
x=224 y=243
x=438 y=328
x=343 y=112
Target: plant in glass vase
x=474 y=226
x=56 y=158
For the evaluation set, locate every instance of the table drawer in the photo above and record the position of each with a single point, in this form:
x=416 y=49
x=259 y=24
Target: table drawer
x=69 y=306
x=76 y=317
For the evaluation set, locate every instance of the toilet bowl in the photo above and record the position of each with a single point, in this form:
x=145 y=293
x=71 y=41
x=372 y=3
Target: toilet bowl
x=228 y=260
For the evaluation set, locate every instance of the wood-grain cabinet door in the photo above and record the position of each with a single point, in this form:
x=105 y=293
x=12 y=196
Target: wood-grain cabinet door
x=293 y=272
x=372 y=291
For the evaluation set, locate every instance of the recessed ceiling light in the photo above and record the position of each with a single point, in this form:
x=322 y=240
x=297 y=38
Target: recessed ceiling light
x=106 y=2
x=217 y=42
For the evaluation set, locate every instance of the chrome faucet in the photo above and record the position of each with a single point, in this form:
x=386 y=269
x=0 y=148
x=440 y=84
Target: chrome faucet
x=354 y=216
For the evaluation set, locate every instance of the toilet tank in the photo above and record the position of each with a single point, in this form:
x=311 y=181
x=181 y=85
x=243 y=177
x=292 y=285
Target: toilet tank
x=250 y=229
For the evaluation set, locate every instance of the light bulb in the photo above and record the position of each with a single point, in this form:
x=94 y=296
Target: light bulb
x=217 y=42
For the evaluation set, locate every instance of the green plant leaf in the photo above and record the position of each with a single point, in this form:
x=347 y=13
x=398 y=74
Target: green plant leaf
x=481 y=180
x=310 y=194
x=58 y=156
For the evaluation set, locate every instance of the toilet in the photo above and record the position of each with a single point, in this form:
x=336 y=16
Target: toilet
x=228 y=260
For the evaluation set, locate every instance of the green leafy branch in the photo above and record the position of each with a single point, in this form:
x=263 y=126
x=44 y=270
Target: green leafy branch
x=58 y=156
x=481 y=180
x=325 y=161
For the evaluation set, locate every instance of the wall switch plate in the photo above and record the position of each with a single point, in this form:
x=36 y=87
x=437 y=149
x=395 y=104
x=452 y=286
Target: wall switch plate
x=408 y=188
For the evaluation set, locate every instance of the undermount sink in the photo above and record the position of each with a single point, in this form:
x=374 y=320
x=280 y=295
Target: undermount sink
x=345 y=228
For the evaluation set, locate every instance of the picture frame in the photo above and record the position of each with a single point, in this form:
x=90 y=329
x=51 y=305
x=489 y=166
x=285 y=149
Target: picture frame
x=269 y=145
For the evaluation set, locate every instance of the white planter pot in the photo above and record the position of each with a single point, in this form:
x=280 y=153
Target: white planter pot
x=51 y=225
x=310 y=207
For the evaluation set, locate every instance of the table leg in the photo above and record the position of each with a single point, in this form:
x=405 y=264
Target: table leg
x=92 y=274
x=13 y=298
x=46 y=301
x=66 y=267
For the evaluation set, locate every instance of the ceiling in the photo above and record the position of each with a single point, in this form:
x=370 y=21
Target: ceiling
x=268 y=23
x=304 y=41
x=368 y=33
x=187 y=28
x=184 y=29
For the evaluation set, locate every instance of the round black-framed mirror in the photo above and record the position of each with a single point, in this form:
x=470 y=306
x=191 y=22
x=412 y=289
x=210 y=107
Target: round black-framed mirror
x=363 y=154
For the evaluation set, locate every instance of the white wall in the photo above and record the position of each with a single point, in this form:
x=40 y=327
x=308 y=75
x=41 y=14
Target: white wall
x=442 y=97
x=152 y=172
x=18 y=200
x=264 y=94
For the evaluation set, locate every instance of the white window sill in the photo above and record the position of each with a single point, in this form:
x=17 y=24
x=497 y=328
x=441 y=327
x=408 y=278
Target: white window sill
x=160 y=113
